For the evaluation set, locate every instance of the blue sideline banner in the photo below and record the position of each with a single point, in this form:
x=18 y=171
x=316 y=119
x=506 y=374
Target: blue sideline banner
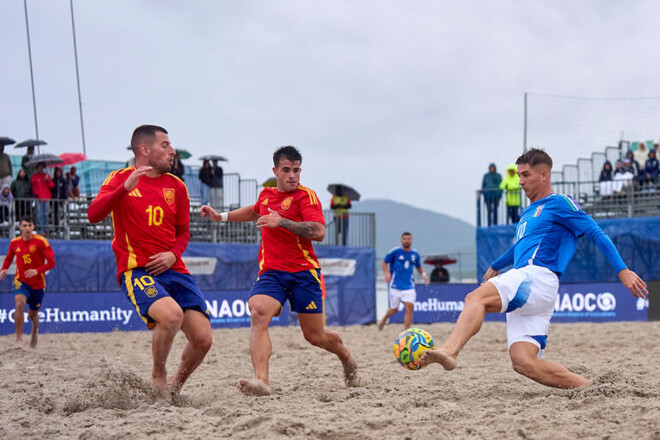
x=580 y=302
x=108 y=311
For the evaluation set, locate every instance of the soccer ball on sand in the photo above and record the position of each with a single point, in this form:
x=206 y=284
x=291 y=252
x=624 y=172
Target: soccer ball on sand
x=410 y=345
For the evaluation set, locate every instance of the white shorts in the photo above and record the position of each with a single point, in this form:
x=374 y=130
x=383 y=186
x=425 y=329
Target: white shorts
x=528 y=298
x=397 y=296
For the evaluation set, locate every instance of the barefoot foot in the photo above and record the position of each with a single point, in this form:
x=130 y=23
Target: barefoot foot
x=437 y=357
x=381 y=325
x=253 y=387
x=173 y=385
x=18 y=345
x=351 y=378
x=33 y=340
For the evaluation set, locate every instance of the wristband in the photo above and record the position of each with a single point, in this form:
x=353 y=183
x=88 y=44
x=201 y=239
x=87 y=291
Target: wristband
x=224 y=216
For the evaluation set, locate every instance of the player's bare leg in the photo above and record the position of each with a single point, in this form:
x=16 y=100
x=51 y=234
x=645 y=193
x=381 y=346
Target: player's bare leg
x=312 y=328
x=169 y=318
x=485 y=299
x=262 y=310
x=197 y=329
x=388 y=314
x=408 y=317
x=525 y=362
x=34 y=317
x=19 y=319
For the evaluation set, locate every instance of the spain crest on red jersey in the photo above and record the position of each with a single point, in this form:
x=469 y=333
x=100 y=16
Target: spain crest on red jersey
x=168 y=193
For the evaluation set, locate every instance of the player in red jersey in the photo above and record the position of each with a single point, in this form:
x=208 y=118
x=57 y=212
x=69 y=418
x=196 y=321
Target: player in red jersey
x=290 y=217
x=150 y=212
x=34 y=257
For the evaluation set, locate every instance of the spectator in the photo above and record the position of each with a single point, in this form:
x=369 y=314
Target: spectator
x=5 y=167
x=511 y=184
x=340 y=204
x=621 y=177
x=59 y=192
x=640 y=155
x=215 y=195
x=490 y=187
x=5 y=203
x=73 y=183
x=205 y=179
x=651 y=170
x=605 y=181
x=25 y=159
x=633 y=163
x=439 y=274
x=177 y=168
x=21 y=188
x=42 y=184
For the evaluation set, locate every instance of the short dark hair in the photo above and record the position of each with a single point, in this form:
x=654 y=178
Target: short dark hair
x=27 y=219
x=535 y=156
x=143 y=132
x=406 y=233
x=288 y=152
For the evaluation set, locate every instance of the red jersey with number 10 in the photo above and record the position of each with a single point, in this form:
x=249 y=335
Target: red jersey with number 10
x=282 y=249
x=148 y=220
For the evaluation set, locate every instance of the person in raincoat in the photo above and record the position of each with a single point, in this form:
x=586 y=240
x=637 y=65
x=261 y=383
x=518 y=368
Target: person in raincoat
x=511 y=184
x=490 y=188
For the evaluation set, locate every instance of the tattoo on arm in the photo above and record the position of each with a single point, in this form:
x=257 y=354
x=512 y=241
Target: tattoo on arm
x=309 y=230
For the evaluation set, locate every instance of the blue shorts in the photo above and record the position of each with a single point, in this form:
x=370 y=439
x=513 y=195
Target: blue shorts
x=142 y=290
x=33 y=297
x=302 y=289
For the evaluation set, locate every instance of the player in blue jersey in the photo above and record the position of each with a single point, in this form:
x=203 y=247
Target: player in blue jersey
x=545 y=241
x=398 y=266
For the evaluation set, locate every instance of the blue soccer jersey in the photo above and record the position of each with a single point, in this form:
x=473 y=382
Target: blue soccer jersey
x=547 y=236
x=401 y=264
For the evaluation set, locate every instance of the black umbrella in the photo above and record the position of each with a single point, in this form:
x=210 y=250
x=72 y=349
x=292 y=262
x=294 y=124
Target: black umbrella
x=30 y=143
x=344 y=190
x=4 y=140
x=214 y=157
x=46 y=159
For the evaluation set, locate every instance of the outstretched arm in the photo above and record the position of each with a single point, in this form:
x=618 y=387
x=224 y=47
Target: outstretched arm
x=244 y=214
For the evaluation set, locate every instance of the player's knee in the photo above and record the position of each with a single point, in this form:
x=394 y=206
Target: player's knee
x=473 y=299
x=524 y=365
x=202 y=341
x=315 y=338
x=259 y=316
x=171 y=319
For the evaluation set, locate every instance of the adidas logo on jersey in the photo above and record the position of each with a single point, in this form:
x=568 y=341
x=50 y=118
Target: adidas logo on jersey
x=135 y=193
x=311 y=306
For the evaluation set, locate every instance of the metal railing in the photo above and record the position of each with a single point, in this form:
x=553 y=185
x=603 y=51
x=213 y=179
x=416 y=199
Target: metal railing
x=67 y=220
x=612 y=199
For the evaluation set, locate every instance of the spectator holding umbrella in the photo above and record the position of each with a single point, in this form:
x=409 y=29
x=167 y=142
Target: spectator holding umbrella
x=340 y=204
x=177 y=167
x=6 y=199
x=21 y=188
x=217 y=186
x=25 y=159
x=439 y=274
x=206 y=179
x=42 y=184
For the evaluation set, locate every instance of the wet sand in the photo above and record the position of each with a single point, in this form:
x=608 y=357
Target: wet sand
x=95 y=386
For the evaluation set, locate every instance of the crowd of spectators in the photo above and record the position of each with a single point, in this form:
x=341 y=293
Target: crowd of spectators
x=34 y=191
x=637 y=169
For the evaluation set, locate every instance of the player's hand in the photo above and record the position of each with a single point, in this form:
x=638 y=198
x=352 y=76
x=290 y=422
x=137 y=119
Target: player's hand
x=269 y=221
x=388 y=277
x=426 y=279
x=134 y=178
x=634 y=283
x=160 y=263
x=30 y=273
x=207 y=211
x=3 y=274
x=490 y=273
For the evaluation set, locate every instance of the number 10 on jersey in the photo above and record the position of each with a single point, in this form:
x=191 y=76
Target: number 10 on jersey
x=155 y=215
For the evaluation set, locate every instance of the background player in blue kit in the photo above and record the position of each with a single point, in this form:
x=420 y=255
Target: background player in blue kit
x=544 y=243
x=398 y=266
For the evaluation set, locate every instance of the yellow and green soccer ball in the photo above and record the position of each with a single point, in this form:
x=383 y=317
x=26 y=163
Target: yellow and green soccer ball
x=410 y=345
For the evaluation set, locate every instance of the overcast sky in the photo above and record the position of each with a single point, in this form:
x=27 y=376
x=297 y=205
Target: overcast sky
x=403 y=100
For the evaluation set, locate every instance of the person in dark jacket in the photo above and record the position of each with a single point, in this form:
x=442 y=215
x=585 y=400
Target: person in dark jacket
x=59 y=193
x=217 y=187
x=177 y=168
x=605 y=181
x=205 y=179
x=651 y=169
x=21 y=188
x=490 y=188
